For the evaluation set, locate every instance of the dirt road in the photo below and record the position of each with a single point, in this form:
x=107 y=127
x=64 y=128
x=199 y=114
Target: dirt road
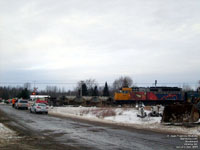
x=39 y=131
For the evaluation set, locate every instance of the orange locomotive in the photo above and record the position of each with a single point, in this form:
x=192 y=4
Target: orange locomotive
x=151 y=94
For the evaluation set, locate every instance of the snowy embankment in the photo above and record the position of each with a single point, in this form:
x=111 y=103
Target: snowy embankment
x=5 y=134
x=121 y=116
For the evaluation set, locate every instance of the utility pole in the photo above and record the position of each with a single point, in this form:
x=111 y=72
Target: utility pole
x=155 y=83
x=34 y=84
x=34 y=88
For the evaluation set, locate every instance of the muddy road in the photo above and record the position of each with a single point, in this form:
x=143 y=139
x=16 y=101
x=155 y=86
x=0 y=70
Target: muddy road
x=39 y=131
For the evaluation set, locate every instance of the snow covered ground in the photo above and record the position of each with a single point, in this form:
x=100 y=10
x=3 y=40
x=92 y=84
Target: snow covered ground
x=6 y=133
x=121 y=116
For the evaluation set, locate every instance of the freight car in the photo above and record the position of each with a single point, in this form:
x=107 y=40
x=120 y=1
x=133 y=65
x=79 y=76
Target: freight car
x=147 y=95
x=151 y=95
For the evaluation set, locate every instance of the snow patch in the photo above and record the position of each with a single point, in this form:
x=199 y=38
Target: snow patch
x=5 y=133
x=121 y=116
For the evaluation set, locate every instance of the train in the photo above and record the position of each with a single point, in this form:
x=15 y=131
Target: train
x=155 y=95
x=147 y=95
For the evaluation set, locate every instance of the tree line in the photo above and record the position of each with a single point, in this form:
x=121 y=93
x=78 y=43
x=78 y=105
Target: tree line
x=12 y=92
x=87 y=87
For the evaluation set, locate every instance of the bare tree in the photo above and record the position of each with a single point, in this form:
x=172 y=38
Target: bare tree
x=52 y=90
x=63 y=90
x=90 y=84
x=79 y=84
x=122 y=82
x=186 y=87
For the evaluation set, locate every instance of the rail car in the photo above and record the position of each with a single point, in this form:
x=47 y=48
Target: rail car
x=147 y=95
x=151 y=95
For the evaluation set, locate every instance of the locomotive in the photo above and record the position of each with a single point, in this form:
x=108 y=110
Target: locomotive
x=154 y=95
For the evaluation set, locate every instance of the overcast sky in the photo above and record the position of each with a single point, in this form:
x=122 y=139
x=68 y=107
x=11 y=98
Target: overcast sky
x=72 y=40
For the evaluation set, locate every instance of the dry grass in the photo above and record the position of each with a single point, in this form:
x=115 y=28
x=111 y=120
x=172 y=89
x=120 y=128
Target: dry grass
x=82 y=112
x=106 y=113
x=126 y=108
x=147 y=108
x=100 y=112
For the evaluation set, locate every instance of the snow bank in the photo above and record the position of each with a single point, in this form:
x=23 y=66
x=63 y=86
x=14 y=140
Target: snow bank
x=129 y=116
x=5 y=133
x=121 y=116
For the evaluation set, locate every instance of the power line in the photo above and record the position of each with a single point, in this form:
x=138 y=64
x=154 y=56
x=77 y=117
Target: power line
x=35 y=82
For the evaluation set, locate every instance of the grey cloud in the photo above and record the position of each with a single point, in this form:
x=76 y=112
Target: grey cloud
x=102 y=39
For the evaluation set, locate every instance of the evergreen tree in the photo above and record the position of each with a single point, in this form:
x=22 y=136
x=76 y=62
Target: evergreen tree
x=5 y=94
x=95 y=91
x=106 y=90
x=24 y=94
x=84 y=90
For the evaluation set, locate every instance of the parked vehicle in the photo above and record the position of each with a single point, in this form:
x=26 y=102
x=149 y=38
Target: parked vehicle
x=41 y=101
x=21 y=104
x=39 y=108
x=5 y=101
